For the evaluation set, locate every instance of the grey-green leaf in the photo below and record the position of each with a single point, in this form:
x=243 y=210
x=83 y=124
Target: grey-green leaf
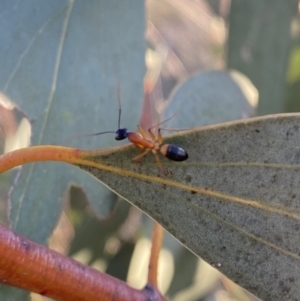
x=259 y=43
x=60 y=73
x=211 y=97
x=235 y=202
x=63 y=63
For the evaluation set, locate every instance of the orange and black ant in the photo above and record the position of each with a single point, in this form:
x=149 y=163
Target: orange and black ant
x=140 y=140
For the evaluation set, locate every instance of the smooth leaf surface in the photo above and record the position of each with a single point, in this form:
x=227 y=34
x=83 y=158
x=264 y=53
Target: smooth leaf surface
x=259 y=43
x=62 y=63
x=197 y=101
x=64 y=71
x=202 y=100
x=235 y=202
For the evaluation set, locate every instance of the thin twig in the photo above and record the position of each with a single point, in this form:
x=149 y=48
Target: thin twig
x=157 y=239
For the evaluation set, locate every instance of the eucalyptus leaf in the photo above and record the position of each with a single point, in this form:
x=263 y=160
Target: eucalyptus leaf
x=201 y=99
x=259 y=44
x=66 y=66
x=63 y=63
x=235 y=202
x=9 y=293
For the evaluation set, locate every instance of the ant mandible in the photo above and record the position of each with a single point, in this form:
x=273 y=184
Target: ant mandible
x=142 y=141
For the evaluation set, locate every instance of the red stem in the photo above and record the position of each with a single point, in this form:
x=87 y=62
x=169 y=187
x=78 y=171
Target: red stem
x=33 y=267
x=157 y=239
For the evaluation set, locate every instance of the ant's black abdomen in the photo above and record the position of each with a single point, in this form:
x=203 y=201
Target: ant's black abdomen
x=174 y=153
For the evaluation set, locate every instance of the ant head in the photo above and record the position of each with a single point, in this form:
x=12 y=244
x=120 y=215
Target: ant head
x=121 y=134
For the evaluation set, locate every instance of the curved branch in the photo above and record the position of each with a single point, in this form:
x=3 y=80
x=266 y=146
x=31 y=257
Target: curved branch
x=30 y=266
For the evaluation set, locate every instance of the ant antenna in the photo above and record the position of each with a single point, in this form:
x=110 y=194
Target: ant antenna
x=89 y=135
x=162 y=122
x=121 y=133
x=119 y=102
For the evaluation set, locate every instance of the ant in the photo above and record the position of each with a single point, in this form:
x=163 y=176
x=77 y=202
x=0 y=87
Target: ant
x=142 y=141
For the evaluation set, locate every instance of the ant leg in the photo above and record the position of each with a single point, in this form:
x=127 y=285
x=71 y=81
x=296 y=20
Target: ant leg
x=159 y=164
x=159 y=137
x=177 y=130
x=160 y=123
x=142 y=132
x=152 y=135
x=139 y=146
x=136 y=158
